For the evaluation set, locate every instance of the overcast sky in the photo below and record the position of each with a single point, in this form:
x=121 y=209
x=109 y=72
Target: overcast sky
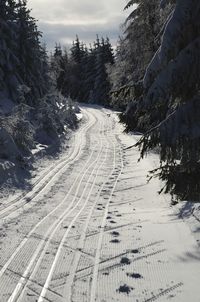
x=61 y=20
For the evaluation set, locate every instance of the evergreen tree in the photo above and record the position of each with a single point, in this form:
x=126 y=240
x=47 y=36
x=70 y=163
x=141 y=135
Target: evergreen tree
x=171 y=102
x=32 y=67
x=103 y=56
x=76 y=79
x=9 y=78
x=142 y=36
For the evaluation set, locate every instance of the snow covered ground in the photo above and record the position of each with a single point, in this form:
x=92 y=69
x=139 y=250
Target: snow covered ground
x=92 y=229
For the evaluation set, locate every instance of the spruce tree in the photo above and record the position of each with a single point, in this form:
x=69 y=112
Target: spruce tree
x=171 y=102
x=9 y=78
x=103 y=56
x=30 y=53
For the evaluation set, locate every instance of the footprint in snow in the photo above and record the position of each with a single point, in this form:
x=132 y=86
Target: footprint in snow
x=114 y=233
x=112 y=221
x=134 y=276
x=115 y=241
x=125 y=289
x=134 y=251
x=125 y=260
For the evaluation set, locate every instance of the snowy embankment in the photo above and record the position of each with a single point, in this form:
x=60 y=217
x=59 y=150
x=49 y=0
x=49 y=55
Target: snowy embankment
x=26 y=135
x=186 y=210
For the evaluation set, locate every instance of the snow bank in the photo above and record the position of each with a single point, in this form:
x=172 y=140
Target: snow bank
x=79 y=116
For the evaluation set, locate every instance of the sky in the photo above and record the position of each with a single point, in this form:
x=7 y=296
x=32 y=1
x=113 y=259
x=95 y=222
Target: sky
x=61 y=20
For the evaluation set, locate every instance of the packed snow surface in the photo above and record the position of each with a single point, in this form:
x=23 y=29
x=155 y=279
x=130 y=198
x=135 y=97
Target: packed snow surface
x=92 y=229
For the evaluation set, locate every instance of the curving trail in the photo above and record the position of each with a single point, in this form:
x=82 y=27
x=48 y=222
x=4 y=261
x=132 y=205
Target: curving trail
x=91 y=228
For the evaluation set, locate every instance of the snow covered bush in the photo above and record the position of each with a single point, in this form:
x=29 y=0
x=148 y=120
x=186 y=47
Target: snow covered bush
x=19 y=129
x=54 y=113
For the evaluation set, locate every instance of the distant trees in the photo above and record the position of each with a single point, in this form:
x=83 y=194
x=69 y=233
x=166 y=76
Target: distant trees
x=82 y=74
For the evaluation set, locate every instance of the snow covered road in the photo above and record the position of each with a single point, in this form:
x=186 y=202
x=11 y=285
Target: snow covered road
x=92 y=229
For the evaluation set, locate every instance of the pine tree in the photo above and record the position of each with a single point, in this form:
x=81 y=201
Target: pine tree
x=32 y=67
x=135 y=50
x=142 y=37
x=9 y=78
x=171 y=102
x=77 y=57
x=103 y=56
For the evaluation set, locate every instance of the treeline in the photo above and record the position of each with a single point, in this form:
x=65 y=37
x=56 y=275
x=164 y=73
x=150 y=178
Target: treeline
x=82 y=73
x=31 y=110
x=156 y=76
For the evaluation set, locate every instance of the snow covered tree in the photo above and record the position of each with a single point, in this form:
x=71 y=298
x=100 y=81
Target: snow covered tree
x=89 y=74
x=9 y=78
x=58 y=63
x=142 y=36
x=32 y=57
x=171 y=102
x=135 y=49
x=103 y=56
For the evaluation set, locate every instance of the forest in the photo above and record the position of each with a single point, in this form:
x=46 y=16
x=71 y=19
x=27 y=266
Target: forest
x=152 y=77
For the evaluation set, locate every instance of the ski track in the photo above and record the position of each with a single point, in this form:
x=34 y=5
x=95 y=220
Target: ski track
x=106 y=232
x=69 y=283
x=3 y=269
x=52 y=229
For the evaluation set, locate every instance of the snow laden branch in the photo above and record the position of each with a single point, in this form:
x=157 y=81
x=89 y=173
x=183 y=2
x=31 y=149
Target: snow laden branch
x=178 y=79
x=179 y=32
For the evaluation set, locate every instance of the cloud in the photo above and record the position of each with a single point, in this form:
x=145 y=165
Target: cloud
x=61 y=20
